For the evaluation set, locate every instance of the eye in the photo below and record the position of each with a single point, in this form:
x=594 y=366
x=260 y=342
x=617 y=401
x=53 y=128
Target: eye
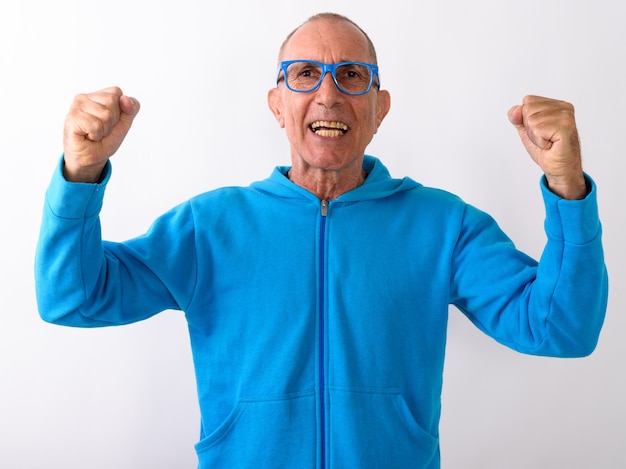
x=353 y=72
x=300 y=70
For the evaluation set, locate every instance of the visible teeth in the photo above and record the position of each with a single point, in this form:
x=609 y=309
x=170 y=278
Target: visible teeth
x=329 y=133
x=329 y=129
x=330 y=125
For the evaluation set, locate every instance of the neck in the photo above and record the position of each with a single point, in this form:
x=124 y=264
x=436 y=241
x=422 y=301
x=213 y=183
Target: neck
x=327 y=184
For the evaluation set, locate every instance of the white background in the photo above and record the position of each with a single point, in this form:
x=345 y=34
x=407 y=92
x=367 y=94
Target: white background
x=125 y=397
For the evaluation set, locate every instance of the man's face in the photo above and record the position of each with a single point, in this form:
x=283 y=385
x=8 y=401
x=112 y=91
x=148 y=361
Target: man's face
x=328 y=41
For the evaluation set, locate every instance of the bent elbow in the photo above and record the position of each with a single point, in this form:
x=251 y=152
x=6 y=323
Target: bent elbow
x=583 y=349
x=578 y=343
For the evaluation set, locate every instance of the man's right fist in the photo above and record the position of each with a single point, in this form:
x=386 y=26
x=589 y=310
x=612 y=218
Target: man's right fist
x=94 y=129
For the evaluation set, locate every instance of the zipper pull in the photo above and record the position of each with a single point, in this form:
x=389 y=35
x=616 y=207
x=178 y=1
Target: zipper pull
x=324 y=207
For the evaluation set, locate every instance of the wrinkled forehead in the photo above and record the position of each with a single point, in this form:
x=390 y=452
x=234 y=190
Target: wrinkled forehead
x=327 y=41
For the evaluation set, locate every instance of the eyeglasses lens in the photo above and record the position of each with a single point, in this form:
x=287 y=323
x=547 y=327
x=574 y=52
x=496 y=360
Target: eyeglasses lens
x=306 y=76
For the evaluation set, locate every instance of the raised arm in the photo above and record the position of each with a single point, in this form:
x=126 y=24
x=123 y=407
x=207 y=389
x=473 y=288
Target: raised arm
x=555 y=307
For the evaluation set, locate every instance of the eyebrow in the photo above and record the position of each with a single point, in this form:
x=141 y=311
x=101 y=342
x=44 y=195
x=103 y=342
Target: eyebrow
x=338 y=61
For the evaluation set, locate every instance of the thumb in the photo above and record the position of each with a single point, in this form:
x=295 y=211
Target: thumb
x=516 y=117
x=129 y=108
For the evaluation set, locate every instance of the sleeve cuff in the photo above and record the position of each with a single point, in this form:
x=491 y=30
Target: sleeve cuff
x=75 y=199
x=574 y=221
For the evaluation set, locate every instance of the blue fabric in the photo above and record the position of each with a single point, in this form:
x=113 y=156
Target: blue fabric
x=323 y=337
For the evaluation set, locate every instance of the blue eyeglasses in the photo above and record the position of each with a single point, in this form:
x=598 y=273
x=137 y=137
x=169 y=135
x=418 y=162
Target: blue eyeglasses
x=304 y=76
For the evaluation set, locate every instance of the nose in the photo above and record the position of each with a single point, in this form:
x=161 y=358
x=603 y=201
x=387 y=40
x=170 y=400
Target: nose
x=328 y=94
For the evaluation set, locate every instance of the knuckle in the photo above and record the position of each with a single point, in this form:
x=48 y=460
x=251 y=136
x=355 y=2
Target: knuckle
x=81 y=97
x=533 y=120
x=95 y=130
x=78 y=102
x=108 y=116
x=108 y=101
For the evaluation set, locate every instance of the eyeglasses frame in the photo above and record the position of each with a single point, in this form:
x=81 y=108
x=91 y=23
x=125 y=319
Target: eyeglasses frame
x=332 y=68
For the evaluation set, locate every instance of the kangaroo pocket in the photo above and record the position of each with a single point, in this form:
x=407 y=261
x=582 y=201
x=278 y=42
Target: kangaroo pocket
x=272 y=432
x=374 y=429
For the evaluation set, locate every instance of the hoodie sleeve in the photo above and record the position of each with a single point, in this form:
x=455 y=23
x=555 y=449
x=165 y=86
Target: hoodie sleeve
x=84 y=282
x=555 y=307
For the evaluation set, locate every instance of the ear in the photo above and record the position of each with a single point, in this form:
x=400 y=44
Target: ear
x=275 y=103
x=383 y=106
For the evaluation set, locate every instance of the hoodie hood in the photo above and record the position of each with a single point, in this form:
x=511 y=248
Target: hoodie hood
x=378 y=184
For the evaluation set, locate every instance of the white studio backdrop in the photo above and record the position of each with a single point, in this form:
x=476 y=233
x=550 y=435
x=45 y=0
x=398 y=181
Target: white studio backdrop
x=125 y=397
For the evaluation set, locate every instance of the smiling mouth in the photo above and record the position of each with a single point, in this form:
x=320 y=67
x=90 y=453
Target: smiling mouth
x=329 y=129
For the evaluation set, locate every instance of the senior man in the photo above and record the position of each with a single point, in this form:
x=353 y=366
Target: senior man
x=317 y=299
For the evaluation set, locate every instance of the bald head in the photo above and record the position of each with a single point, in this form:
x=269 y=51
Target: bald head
x=330 y=17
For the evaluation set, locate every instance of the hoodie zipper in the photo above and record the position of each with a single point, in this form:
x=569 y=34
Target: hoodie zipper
x=321 y=335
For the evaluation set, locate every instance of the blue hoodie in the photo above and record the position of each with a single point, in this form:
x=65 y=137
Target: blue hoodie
x=318 y=328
